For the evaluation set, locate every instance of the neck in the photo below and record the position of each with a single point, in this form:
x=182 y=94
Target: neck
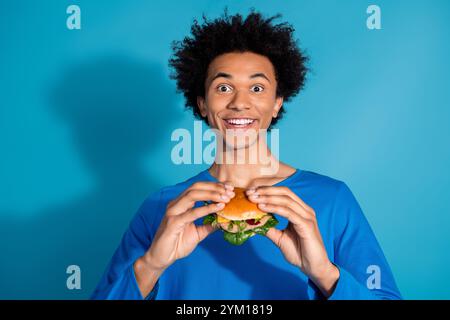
x=241 y=167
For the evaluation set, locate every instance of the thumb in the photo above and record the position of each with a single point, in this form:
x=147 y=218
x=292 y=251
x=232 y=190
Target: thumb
x=274 y=235
x=204 y=230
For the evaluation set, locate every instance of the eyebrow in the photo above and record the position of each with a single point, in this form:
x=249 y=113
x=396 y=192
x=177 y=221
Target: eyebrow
x=229 y=76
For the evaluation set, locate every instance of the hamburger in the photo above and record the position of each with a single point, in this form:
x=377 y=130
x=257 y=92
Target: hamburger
x=241 y=219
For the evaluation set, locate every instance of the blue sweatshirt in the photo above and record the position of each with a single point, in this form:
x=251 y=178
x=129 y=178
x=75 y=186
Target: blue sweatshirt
x=257 y=269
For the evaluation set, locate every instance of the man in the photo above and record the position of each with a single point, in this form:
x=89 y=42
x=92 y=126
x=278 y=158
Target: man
x=235 y=74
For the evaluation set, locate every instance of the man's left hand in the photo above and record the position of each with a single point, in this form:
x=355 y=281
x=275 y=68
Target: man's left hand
x=300 y=242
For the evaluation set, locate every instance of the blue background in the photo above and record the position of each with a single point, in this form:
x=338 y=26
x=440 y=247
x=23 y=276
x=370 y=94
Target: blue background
x=86 y=117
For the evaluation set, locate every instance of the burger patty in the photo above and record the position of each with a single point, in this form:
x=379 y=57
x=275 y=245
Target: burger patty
x=235 y=228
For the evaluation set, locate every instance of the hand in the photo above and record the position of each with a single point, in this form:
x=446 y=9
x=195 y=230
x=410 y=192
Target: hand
x=177 y=235
x=301 y=242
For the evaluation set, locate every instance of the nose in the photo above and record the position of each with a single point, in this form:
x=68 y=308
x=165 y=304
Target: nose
x=239 y=102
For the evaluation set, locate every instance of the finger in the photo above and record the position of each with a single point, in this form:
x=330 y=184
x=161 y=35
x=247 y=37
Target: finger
x=204 y=231
x=258 y=182
x=280 y=200
x=193 y=214
x=274 y=235
x=228 y=185
x=271 y=190
x=192 y=196
x=206 y=185
x=282 y=211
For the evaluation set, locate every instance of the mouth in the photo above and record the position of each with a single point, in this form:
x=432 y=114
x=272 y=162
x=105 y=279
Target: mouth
x=239 y=123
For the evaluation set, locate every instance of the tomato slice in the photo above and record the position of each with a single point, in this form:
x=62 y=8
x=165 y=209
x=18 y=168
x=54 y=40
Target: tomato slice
x=252 y=222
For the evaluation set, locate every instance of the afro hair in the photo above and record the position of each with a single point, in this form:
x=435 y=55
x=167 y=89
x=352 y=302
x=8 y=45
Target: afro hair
x=192 y=56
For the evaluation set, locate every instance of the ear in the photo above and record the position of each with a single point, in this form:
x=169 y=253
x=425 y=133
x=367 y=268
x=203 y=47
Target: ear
x=277 y=107
x=202 y=106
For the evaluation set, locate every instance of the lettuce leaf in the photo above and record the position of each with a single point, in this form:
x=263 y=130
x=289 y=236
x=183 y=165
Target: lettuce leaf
x=210 y=219
x=240 y=237
x=262 y=230
x=237 y=238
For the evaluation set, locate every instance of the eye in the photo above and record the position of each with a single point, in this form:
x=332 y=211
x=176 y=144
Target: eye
x=224 y=88
x=257 y=88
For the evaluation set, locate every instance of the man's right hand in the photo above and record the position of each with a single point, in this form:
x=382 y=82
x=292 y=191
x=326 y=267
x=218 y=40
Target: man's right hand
x=177 y=235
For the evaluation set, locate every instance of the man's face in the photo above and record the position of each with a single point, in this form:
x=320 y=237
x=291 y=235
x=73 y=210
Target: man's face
x=240 y=94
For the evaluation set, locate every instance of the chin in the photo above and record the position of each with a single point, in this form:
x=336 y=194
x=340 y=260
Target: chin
x=232 y=144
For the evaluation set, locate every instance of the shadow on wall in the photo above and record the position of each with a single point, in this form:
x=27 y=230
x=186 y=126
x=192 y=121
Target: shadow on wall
x=114 y=107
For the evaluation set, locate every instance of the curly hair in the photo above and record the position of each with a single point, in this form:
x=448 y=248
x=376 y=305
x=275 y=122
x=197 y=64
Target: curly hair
x=192 y=56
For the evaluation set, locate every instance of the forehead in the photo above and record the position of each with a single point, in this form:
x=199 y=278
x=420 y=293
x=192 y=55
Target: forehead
x=241 y=64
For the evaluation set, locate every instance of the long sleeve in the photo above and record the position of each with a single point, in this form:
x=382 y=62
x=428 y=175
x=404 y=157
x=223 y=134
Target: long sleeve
x=364 y=270
x=118 y=281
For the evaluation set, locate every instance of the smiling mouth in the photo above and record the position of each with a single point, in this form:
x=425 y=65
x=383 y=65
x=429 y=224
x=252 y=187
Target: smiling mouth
x=239 y=123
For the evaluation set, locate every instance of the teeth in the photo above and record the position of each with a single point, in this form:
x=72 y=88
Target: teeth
x=240 y=121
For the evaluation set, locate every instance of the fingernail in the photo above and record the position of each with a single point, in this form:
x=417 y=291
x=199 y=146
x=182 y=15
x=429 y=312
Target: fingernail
x=262 y=205
x=229 y=186
x=230 y=193
x=254 y=196
x=250 y=191
x=220 y=205
x=224 y=197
